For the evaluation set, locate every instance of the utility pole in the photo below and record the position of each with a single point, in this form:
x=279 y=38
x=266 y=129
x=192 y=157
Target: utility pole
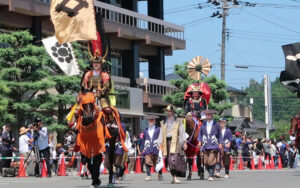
x=268 y=105
x=224 y=15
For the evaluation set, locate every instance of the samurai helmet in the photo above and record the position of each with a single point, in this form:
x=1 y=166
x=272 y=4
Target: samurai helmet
x=169 y=108
x=95 y=50
x=195 y=89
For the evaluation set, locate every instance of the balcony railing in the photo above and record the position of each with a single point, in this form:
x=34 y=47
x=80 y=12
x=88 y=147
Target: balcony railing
x=140 y=21
x=134 y=19
x=156 y=87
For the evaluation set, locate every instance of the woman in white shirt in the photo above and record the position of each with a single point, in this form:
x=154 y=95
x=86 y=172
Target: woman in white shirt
x=24 y=140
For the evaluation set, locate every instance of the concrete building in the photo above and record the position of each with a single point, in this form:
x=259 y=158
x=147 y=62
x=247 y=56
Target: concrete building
x=132 y=37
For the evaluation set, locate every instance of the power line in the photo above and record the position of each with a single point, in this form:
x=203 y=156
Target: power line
x=187 y=8
x=280 y=18
x=263 y=36
x=251 y=65
x=263 y=33
x=272 y=5
x=258 y=39
x=195 y=21
x=271 y=22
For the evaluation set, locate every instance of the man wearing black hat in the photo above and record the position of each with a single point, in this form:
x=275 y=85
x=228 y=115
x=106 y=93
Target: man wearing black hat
x=226 y=138
x=209 y=139
x=7 y=146
x=151 y=147
x=172 y=140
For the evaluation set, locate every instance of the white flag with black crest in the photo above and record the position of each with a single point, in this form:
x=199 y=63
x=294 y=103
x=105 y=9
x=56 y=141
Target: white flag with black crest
x=62 y=55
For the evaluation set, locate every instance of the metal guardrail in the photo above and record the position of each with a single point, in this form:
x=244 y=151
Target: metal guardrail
x=156 y=87
x=134 y=19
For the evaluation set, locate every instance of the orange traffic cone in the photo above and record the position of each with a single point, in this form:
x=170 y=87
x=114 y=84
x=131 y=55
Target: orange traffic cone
x=231 y=164
x=79 y=172
x=164 y=170
x=138 y=168
x=267 y=163
x=152 y=169
x=44 y=169
x=279 y=163
x=272 y=165
x=259 y=167
x=252 y=164
x=22 y=168
x=194 y=168
x=62 y=167
x=126 y=168
x=105 y=170
x=241 y=167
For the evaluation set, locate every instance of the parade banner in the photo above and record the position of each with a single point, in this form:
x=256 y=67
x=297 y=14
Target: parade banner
x=62 y=55
x=73 y=20
x=290 y=78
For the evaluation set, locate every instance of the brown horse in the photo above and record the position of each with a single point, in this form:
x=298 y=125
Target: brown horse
x=295 y=129
x=192 y=129
x=94 y=130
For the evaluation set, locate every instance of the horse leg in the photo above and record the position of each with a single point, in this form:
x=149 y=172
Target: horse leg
x=190 y=164
x=111 y=164
x=200 y=166
x=94 y=167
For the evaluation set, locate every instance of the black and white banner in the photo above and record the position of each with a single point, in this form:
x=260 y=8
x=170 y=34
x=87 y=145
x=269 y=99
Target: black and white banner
x=63 y=55
x=290 y=77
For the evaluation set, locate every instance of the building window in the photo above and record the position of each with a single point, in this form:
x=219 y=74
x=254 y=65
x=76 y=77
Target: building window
x=231 y=99
x=116 y=66
x=123 y=100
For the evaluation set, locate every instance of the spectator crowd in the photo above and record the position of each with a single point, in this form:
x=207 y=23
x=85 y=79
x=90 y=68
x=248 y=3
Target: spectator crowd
x=242 y=146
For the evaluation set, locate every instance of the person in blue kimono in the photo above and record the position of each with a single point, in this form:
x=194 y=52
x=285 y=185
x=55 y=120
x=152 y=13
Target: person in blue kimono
x=209 y=140
x=151 y=147
x=226 y=138
x=118 y=160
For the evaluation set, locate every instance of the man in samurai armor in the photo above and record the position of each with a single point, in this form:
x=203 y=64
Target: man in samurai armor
x=195 y=103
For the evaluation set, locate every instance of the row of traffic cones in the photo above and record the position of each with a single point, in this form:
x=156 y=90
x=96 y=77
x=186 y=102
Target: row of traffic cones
x=269 y=164
x=22 y=168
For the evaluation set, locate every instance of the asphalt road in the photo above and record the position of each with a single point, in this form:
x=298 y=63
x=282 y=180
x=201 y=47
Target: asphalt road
x=245 y=179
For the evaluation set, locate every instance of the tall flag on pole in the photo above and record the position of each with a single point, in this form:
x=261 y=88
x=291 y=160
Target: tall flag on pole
x=73 y=20
x=290 y=77
x=63 y=55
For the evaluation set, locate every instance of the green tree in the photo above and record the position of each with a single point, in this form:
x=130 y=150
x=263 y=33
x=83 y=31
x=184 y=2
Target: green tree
x=4 y=116
x=282 y=127
x=284 y=102
x=256 y=91
x=65 y=90
x=22 y=70
x=218 y=100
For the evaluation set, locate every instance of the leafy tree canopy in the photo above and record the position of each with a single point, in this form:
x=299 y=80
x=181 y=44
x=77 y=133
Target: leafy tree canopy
x=219 y=95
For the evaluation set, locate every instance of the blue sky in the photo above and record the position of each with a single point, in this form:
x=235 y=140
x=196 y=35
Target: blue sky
x=255 y=36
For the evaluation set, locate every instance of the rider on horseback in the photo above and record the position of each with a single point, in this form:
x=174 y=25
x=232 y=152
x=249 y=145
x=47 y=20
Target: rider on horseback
x=196 y=100
x=98 y=79
x=195 y=103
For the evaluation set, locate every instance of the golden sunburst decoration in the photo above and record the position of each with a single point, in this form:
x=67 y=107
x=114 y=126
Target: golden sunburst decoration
x=198 y=66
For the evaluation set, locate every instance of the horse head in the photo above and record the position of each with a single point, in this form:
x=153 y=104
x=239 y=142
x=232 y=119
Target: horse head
x=190 y=127
x=294 y=124
x=88 y=108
